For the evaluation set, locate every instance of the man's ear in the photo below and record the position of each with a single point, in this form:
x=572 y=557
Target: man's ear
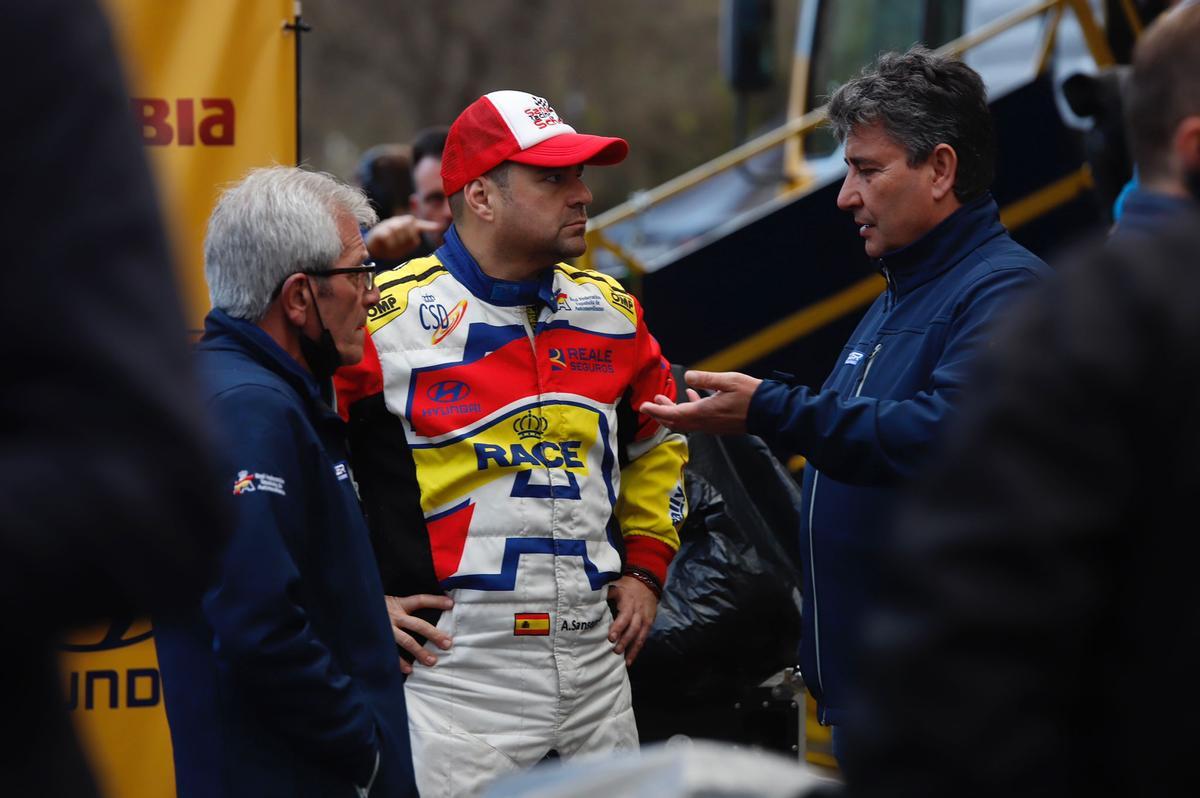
x=295 y=298
x=477 y=196
x=944 y=161
x=414 y=204
x=1187 y=143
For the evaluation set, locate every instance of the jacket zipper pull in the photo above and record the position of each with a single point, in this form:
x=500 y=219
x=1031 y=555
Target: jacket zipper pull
x=867 y=369
x=891 y=285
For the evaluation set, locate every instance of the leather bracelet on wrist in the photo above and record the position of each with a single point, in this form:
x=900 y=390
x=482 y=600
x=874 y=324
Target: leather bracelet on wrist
x=646 y=578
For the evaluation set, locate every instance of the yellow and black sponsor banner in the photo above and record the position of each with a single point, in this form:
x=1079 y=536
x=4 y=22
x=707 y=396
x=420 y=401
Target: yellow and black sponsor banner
x=213 y=94
x=213 y=90
x=114 y=693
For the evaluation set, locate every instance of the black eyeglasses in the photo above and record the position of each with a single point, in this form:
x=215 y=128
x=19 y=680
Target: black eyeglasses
x=367 y=270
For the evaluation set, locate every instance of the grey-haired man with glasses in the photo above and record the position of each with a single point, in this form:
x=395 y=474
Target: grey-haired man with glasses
x=284 y=680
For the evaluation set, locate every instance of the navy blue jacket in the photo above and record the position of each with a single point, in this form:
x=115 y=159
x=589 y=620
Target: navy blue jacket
x=286 y=681
x=878 y=416
x=1149 y=213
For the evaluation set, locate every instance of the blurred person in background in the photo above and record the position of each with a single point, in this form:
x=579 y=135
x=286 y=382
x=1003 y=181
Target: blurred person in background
x=385 y=175
x=1153 y=110
x=501 y=457
x=920 y=151
x=109 y=496
x=428 y=201
x=1038 y=631
x=405 y=184
x=284 y=680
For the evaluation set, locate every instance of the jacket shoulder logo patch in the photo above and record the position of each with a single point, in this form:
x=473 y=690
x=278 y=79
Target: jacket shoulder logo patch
x=247 y=482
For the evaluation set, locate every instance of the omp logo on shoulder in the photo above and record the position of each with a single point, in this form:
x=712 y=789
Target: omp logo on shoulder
x=622 y=300
x=247 y=482
x=543 y=453
x=385 y=306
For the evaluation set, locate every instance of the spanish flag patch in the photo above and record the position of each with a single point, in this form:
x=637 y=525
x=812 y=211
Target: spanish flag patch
x=531 y=623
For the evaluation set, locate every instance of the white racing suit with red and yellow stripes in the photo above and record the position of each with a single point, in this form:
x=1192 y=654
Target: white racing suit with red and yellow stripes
x=538 y=484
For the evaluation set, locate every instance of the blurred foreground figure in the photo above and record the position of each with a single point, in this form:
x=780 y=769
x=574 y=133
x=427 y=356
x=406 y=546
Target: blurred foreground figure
x=1040 y=631
x=1162 y=93
x=108 y=497
x=285 y=681
x=675 y=769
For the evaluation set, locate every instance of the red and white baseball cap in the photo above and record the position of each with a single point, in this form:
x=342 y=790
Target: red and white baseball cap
x=522 y=127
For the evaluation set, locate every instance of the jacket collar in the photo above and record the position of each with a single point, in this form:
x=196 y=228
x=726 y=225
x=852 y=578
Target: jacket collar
x=942 y=247
x=1148 y=212
x=509 y=293
x=222 y=331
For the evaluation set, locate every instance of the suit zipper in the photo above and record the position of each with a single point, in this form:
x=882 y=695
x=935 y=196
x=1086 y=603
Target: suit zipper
x=531 y=319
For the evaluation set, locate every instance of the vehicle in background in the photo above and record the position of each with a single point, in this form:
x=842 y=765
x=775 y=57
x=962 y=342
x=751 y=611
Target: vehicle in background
x=746 y=263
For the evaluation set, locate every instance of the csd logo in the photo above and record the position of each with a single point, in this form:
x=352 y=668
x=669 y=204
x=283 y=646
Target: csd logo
x=120 y=633
x=448 y=391
x=433 y=316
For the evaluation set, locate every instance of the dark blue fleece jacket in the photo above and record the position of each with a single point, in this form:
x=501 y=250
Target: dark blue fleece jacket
x=878 y=416
x=286 y=681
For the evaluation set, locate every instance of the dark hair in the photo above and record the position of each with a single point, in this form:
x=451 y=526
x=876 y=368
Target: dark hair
x=385 y=175
x=498 y=174
x=923 y=100
x=429 y=143
x=1164 y=88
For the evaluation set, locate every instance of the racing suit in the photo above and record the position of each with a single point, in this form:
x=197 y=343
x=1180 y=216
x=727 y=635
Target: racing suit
x=504 y=411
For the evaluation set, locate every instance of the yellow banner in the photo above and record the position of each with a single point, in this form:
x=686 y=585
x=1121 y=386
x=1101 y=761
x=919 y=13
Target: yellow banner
x=213 y=86
x=114 y=693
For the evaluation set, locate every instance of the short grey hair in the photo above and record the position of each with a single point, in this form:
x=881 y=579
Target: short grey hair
x=922 y=100
x=271 y=224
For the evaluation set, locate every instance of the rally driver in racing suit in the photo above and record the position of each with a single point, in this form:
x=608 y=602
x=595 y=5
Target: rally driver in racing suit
x=500 y=458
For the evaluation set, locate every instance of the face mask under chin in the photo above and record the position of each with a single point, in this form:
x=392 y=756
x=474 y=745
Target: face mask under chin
x=321 y=355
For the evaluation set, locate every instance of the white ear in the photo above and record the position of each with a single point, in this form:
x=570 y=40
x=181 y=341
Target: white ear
x=477 y=195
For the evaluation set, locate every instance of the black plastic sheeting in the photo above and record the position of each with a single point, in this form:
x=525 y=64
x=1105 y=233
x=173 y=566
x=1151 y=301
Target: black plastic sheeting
x=730 y=615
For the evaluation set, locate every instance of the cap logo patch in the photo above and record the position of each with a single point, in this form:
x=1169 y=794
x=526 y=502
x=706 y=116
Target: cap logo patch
x=541 y=114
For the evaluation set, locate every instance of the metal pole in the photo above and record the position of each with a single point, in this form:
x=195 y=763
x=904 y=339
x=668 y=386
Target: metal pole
x=297 y=26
